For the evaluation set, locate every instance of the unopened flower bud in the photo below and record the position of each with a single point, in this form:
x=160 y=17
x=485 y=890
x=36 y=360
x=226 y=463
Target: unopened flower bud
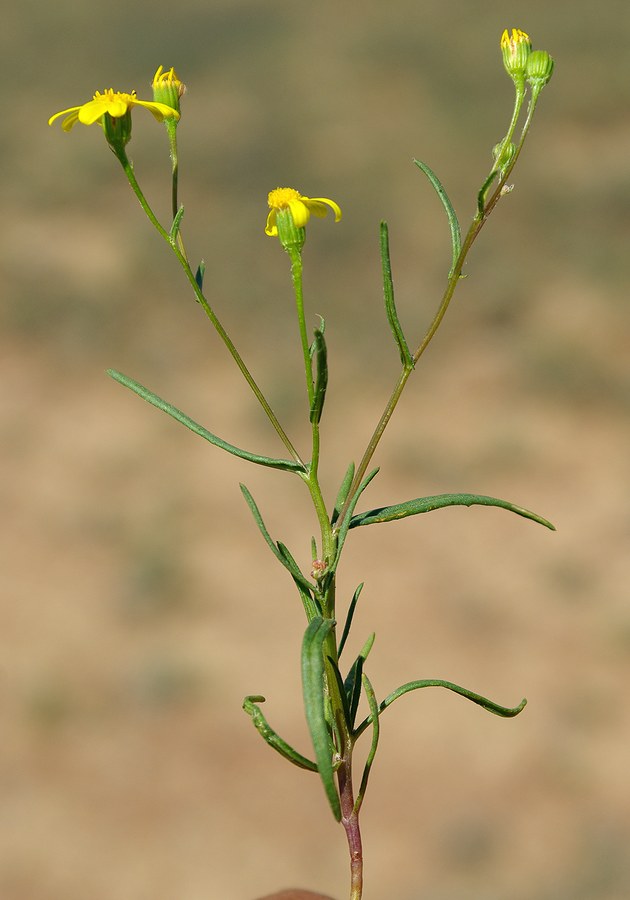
x=167 y=88
x=516 y=49
x=539 y=69
x=503 y=154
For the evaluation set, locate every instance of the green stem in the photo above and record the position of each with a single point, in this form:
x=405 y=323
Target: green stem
x=296 y=275
x=183 y=261
x=473 y=232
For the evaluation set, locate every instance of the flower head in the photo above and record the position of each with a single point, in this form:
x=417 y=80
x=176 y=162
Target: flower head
x=289 y=212
x=111 y=103
x=515 y=48
x=539 y=70
x=167 y=88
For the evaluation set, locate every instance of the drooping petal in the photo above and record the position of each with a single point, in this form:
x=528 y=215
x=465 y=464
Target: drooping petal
x=160 y=111
x=317 y=206
x=271 y=228
x=64 y=112
x=70 y=120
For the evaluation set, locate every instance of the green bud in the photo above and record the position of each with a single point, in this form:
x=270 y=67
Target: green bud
x=503 y=154
x=167 y=88
x=539 y=69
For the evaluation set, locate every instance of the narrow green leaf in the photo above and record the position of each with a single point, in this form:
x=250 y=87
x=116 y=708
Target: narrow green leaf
x=139 y=389
x=282 y=555
x=483 y=193
x=376 y=728
x=321 y=377
x=176 y=223
x=505 y=712
x=390 y=304
x=439 y=501
x=201 y=271
x=352 y=684
x=315 y=707
x=271 y=737
x=293 y=567
x=349 y=617
x=343 y=492
x=456 y=235
x=340 y=697
x=345 y=523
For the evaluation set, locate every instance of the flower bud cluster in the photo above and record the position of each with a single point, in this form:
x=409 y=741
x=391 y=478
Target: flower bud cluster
x=524 y=64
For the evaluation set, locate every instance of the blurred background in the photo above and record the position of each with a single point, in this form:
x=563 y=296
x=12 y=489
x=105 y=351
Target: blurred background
x=139 y=603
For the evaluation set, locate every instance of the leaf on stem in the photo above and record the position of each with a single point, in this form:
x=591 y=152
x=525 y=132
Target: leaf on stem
x=315 y=706
x=456 y=236
x=390 y=304
x=270 y=736
x=321 y=376
x=506 y=712
x=343 y=493
x=139 y=389
x=352 y=684
x=279 y=551
x=345 y=523
x=371 y=698
x=349 y=617
x=177 y=220
x=439 y=501
x=201 y=271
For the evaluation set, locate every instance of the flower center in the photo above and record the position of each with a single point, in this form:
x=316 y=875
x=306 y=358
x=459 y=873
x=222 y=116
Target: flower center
x=281 y=198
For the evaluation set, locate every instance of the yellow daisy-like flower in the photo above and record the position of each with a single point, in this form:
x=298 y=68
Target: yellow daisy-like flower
x=300 y=207
x=114 y=103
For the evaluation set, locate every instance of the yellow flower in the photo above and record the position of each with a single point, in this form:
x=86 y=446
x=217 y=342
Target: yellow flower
x=282 y=199
x=114 y=104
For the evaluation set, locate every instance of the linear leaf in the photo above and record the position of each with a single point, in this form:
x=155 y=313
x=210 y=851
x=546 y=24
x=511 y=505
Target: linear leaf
x=390 y=304
x=284 y=557
x=314 y=705
x=352 y=684
x=438 y=501
x=345 y=523
x=139 y=389
x=270 y=736
x=456 y=235
x=506 y=712
x=321 y=376
x=343 y=492
x=376 y=728
x=349 y=617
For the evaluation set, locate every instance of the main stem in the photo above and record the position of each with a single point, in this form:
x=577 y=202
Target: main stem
x=350 y=822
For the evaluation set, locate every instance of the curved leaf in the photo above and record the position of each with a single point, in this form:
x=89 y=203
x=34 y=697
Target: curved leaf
x=456 y=236
x=315 y=706
x=438 y=501
x=506 y=712
x=279 y=551
x=139 y=389
x=274 y=740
